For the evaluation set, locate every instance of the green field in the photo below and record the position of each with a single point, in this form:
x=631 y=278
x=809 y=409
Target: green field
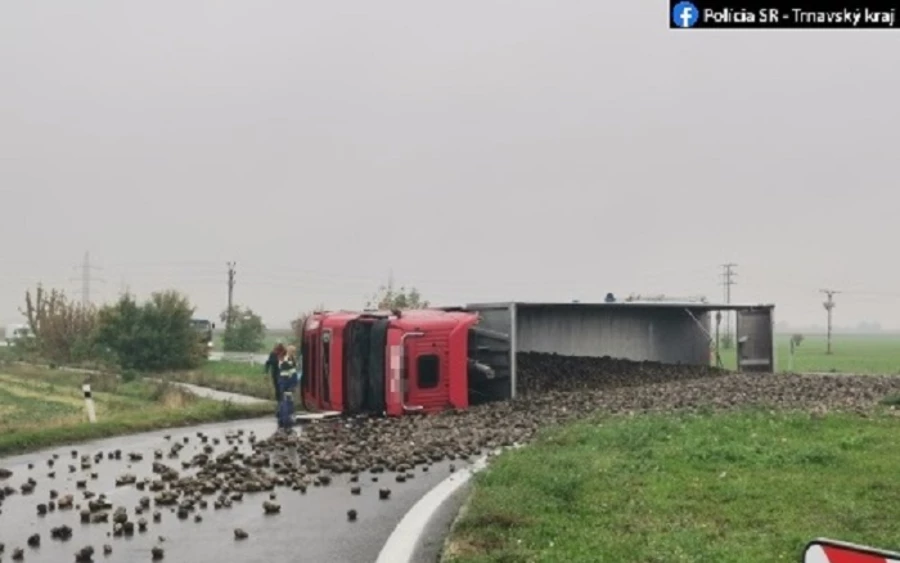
x=851 y=353
x=40 y=407
x=739 y=487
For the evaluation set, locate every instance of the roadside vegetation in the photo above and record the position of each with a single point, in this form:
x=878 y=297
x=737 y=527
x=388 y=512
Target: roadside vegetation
x=128 y=346
x=41 y=408
x=744 y=487
x=244 y=330
x=151 y=336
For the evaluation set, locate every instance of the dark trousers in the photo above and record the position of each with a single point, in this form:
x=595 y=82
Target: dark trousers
x=275 y=383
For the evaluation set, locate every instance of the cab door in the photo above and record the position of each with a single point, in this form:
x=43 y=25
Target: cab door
x=427 y=386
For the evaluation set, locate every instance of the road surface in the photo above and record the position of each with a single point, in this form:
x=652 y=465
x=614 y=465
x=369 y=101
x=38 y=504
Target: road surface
x=216 y=395
x=242 y=357
x=311 y=527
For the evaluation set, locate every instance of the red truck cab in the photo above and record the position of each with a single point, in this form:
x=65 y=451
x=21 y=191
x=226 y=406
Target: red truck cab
x=387 y=362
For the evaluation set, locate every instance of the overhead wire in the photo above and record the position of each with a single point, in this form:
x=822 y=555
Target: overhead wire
x=196 y=272
x=193 y=273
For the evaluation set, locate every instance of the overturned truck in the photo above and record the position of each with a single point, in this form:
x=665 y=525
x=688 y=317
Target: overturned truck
x=399 y=362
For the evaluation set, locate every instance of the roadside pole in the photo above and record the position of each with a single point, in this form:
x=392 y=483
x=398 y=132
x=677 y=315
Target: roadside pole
x=89 y=403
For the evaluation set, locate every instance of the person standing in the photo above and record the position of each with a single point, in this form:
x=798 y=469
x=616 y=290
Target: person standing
x=273 y=365
x=288 y=369
x=288 y=364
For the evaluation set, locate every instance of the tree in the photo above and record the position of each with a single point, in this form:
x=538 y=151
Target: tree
x=63 y=330
x=245 y=333
x=796 y=339
x=388 y=297
x=154 y=336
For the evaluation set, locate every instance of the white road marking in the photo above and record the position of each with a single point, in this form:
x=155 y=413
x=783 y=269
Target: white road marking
x=402 y=543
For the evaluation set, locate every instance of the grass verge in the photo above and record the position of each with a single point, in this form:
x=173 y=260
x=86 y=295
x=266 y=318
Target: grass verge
x=43 y=408
x=739 y=487
x=233 y=377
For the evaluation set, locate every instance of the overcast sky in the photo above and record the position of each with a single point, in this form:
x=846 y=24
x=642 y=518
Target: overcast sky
x=483 y=150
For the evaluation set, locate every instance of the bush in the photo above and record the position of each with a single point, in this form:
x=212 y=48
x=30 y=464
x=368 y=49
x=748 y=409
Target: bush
x=63 y=330
x=155 y=336
x=246 y=331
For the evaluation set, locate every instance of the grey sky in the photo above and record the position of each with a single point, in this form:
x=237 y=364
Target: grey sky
x=487 y=150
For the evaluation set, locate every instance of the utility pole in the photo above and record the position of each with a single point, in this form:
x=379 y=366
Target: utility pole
x=231 y=274
x=727 y=282
x=829 y=305
x=86 y=278
x=718 y=323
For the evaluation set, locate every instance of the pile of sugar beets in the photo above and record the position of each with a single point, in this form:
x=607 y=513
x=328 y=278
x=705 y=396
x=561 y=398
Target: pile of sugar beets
x=553 y=389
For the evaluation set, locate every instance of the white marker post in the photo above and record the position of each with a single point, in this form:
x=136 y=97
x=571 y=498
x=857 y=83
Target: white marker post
x=89 y=403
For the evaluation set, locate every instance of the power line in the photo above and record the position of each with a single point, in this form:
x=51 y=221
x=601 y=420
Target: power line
x=202 y=271
x=870 y=293
x=829 y=305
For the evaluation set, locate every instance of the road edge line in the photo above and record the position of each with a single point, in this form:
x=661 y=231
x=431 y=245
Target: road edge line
x=401 y=544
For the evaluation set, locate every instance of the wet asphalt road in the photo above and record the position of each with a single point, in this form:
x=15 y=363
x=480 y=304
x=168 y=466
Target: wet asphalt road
x=311 y=527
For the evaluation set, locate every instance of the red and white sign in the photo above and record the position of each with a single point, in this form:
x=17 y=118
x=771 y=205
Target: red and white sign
x=831 y=551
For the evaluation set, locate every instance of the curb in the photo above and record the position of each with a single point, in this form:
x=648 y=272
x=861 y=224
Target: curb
x=401 y=545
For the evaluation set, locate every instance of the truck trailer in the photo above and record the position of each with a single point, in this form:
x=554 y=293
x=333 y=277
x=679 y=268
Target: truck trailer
x=395 y=362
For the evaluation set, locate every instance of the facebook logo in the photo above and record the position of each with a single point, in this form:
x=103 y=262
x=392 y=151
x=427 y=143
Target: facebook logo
x=685 y=14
